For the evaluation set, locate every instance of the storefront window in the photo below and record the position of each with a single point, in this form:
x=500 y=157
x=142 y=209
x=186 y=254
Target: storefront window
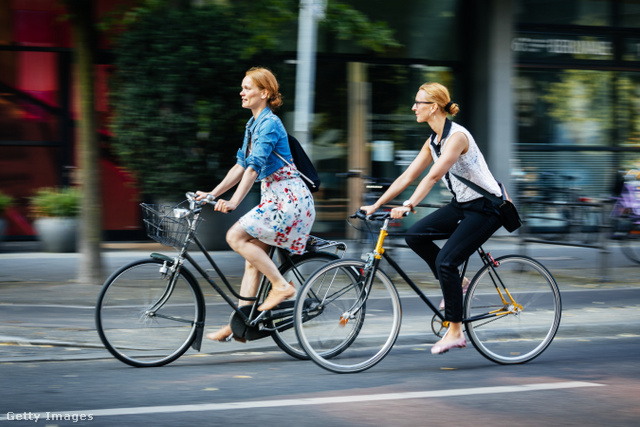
x=628 y=111
x=567 y=107
x=631 y=49
x=565 y=12
x=630 y=11
x=565 y=118
x=426 y=29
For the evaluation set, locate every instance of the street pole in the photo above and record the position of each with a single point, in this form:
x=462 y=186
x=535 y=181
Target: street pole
x=311 y=11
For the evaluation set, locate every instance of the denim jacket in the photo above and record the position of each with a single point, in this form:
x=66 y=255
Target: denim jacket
x=268 y=135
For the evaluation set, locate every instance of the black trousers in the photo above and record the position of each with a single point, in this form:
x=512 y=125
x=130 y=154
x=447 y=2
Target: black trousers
x=468 y=225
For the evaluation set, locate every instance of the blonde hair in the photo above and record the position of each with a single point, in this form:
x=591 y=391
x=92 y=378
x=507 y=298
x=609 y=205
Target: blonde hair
x=440 y=95
x=266 y=80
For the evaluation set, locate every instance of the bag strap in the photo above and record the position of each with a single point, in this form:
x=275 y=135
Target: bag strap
x=495 y=199
x=306 y=178
x=303 y=176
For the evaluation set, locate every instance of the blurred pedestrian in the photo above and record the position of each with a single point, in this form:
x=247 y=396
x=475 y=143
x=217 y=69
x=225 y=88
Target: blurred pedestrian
x=286 y=211
x=470 y=218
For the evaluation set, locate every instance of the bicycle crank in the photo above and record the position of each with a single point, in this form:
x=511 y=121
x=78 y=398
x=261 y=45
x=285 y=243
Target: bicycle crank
x=438 y=326
x=242 y=330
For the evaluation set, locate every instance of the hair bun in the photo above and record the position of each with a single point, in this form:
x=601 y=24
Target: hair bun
x=448 y=106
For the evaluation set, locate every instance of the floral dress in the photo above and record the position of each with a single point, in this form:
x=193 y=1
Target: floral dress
x=286 y=211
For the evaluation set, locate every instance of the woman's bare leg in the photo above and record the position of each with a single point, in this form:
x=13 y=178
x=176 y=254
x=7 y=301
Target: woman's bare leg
x=250 y=281
x=256 y=254
x=250 y=278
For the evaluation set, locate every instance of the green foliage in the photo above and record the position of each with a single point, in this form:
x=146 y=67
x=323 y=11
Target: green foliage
x=579 y=100
x=350 y=24
x=175 y=94
x=269 y=20
x=177 y=73
x=5 y=202
x=52 y=202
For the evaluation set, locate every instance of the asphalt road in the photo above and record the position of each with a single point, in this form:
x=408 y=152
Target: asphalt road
x=581 y=381
x=53 y=365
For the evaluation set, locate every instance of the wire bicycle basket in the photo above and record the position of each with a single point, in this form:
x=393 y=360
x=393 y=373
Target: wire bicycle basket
x=168 y=225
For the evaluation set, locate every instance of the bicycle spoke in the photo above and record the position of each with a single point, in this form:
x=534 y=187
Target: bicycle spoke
x=518 y=328
x=142 y=320
x=333 y=330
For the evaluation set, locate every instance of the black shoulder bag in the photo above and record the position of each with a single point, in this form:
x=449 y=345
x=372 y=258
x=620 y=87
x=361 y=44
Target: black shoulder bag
x=307 y=171
x=509 y=214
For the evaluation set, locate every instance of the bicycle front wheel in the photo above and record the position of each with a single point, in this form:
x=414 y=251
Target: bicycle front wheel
x=628 y=235
x=144 y=318
x=512 y=311
x=330 y=314
x=303 y=266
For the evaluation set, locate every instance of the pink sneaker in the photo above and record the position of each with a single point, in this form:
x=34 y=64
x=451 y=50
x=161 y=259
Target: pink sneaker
x=465 y=285
x=439 y=348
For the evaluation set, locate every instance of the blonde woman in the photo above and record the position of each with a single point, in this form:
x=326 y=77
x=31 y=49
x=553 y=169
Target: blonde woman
x=469 y=218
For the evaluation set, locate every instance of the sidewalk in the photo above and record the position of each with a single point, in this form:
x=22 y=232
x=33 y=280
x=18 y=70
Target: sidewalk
x=32 y=280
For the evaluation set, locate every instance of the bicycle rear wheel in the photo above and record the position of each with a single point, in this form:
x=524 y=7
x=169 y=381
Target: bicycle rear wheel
x=144 y=320
x=512 y=332
x=330 y=314
x=284 y=333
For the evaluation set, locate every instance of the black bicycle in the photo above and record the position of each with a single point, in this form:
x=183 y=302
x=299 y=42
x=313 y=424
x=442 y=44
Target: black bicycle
x=511 y=313
x=151 y=311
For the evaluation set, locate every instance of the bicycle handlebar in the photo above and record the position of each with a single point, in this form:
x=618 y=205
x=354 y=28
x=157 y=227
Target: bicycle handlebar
x=193 y=203
x=376 y=216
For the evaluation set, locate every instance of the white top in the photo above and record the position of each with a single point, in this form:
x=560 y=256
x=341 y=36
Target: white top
x=470 y=165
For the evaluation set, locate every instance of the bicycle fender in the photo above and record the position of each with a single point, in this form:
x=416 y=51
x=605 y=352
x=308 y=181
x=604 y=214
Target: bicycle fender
x=161 y=257
x=197 y=342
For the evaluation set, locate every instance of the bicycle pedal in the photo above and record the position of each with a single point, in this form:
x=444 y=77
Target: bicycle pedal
x=343 y=321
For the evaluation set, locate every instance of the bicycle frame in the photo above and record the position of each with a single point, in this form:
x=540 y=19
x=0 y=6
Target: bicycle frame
x=250 y=319
x=486 y=258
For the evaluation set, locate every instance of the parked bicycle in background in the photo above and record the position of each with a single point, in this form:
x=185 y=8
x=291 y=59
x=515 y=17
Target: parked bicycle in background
x=556 y=209
x=625 y=215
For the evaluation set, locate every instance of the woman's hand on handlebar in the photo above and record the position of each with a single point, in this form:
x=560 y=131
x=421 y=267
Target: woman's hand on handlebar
x=395 y=213
x=203 y=195
x=225 y=206
x=399 y=212
x=368 y=210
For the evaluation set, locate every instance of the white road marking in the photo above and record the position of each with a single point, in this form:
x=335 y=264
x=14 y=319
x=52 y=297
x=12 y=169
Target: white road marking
x=310 y=401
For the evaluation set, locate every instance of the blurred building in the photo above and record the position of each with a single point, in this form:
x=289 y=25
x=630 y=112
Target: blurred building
x=548 y=88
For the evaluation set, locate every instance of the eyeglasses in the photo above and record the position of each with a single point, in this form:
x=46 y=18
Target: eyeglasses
x=422 y=102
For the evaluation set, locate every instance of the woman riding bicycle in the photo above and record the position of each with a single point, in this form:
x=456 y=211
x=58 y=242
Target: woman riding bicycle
x=469 y=218
x=286 y=211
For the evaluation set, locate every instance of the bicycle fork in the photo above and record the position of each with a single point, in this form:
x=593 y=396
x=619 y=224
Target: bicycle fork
x=368 y=272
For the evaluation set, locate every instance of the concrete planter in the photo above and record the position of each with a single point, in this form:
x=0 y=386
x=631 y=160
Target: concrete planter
x=57 y=234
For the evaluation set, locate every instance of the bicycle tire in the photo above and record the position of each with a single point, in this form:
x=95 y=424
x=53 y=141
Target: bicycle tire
x=130 y=332
x=330 y=314
x=513 y=335
x=300 y=268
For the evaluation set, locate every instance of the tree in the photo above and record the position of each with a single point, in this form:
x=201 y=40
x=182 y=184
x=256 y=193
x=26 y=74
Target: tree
x=175 y=88
x=174 y=95
x=81 y=13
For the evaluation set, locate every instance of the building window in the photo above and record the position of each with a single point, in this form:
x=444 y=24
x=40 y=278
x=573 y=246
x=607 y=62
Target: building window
x=565 y=12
